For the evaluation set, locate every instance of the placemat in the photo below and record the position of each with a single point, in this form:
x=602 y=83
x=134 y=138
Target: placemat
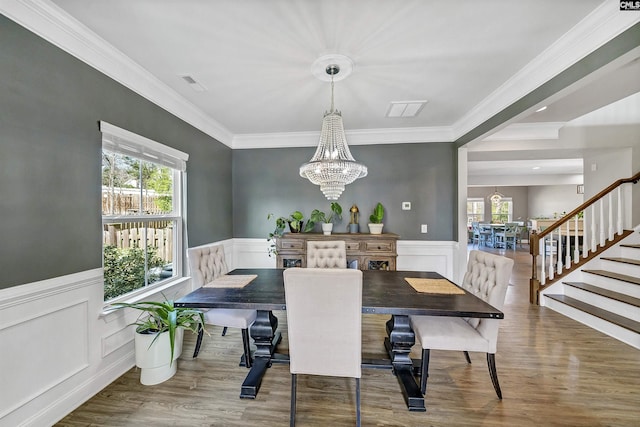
x=231 y=281
x=434 y=286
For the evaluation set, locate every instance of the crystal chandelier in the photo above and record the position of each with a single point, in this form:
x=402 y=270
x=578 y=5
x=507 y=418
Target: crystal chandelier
x=332 y=166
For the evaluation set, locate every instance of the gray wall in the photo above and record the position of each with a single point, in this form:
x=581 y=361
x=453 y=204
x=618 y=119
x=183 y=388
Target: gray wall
x=267 y=181
x=50 y=144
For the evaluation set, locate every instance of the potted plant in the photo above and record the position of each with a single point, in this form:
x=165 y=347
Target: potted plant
x=159 y=334
x=375 y=219
x=327 y=219
x=295 y=221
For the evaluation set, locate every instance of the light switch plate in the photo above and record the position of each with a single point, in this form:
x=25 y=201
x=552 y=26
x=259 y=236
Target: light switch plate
x=406 y=206
x=423 y=228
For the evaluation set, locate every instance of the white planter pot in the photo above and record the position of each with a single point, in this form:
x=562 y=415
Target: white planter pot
x=375 y=228
x=152 y=357
x=327 y=227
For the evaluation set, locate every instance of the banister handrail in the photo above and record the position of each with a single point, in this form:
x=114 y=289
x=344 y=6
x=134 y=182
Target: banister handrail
x=588 y=203
x=537 y=284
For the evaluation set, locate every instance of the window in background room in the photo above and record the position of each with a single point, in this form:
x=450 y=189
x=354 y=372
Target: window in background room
x=475 y=210
x=502 y=211
x=142 y=214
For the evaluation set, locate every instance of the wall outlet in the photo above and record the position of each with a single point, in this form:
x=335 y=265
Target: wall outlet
x=423 y=228
x=406 y=206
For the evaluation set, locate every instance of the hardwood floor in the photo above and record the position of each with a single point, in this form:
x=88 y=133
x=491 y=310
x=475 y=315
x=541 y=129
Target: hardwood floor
x=553 y=372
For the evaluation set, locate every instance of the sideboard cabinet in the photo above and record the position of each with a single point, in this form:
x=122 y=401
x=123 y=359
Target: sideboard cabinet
x=364 y=251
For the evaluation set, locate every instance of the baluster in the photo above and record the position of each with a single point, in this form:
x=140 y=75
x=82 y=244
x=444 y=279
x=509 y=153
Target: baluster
x=543 y=274
x=576 y=246
x=602 y=229
x=593 y=228
x=585 y=233
x=567 y=261
x=611 y=215
x=559 y=260
x=550 y=243
x=620 y=202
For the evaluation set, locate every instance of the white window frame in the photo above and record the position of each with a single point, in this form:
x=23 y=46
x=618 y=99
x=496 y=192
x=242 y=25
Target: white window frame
x=122 y=141
x=479 y=200
x=509 y=201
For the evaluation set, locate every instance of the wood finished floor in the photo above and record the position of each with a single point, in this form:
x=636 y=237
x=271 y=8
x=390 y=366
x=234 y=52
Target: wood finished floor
x=553 y=372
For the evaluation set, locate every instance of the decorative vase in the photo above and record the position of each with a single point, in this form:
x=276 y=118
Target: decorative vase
x=375 y=228
x=153 y=357
x=353 y=228
x=327 y=227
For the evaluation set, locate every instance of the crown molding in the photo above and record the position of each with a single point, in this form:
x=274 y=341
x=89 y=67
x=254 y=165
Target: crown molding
x=48 y=21
x=354 y=137
x=599 y=27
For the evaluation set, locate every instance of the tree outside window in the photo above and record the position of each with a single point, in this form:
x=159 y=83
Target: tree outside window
x=502 y=211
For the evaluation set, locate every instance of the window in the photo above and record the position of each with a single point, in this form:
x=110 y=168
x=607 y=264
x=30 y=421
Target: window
x=142 y=220
x=475 y=210
x=502 y=212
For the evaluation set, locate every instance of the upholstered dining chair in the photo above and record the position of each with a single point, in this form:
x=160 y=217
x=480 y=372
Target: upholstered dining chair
x=487 y=277
x=324 y=325
x=207 y=263
x=326 y=254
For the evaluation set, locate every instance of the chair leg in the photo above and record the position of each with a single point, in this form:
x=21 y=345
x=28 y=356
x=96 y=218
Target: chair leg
x=246 y=348
x=224 y=331
x=198 y=341
x=466 y=355
x=491 y=361
x=292 y=415
x=424 y=370
x=358 y=402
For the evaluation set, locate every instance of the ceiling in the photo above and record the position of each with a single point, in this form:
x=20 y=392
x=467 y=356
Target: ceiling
x=252 y=60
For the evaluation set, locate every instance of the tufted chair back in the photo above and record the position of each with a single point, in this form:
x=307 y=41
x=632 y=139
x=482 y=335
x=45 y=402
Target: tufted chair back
x=487 y=277
x=206 y=263
x=326 y=254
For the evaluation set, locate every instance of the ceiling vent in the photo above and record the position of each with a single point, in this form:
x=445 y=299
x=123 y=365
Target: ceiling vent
x=405 y=108
x=193 y=83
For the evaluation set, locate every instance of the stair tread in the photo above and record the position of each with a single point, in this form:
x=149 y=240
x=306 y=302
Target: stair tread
x=616 y=319
x=623 y=260
x=627 y=299
x=617 y=276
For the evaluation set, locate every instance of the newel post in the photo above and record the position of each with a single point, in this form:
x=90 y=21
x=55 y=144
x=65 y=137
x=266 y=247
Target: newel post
x=534 y=283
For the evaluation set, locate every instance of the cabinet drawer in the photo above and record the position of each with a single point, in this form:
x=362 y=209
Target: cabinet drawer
x=353 y=246
x=291 y=244
x=381 y=246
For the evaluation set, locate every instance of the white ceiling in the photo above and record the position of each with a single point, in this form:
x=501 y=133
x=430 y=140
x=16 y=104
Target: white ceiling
x=468 y=58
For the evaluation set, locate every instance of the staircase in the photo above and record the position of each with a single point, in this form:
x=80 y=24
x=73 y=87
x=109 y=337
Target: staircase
x=604 y=293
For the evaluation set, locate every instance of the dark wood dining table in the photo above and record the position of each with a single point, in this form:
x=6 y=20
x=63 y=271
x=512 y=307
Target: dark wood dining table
x=383 y=292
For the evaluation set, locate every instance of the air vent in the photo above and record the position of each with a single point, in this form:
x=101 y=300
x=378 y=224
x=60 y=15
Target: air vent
x=193 y=83
x=405 y=108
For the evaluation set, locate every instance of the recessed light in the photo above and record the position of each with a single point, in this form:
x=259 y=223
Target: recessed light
x=541 y=109
x=535 y=168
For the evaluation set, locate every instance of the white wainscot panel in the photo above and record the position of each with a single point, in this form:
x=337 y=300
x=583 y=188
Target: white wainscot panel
x=252 y=253
x=47 y=347
x=420 y=255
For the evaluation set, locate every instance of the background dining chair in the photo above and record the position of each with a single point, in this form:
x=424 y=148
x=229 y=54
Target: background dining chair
x=324 y=324
x=487 y=277
x=207 y=263
x=326 y=254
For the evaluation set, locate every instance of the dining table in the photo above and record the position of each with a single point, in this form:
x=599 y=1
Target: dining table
x=383 y=292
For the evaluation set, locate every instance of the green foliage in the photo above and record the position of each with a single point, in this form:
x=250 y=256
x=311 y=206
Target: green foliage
x=124 y=269
x=319 y=216
x=295 y=222
x=377 y=215
x=157 y=317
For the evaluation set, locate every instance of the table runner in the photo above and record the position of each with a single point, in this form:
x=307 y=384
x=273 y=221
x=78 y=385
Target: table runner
x=434 y=286
x=231 y=281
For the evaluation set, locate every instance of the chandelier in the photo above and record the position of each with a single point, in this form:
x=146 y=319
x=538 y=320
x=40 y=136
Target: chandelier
x=332 y=166
x=496 y=197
